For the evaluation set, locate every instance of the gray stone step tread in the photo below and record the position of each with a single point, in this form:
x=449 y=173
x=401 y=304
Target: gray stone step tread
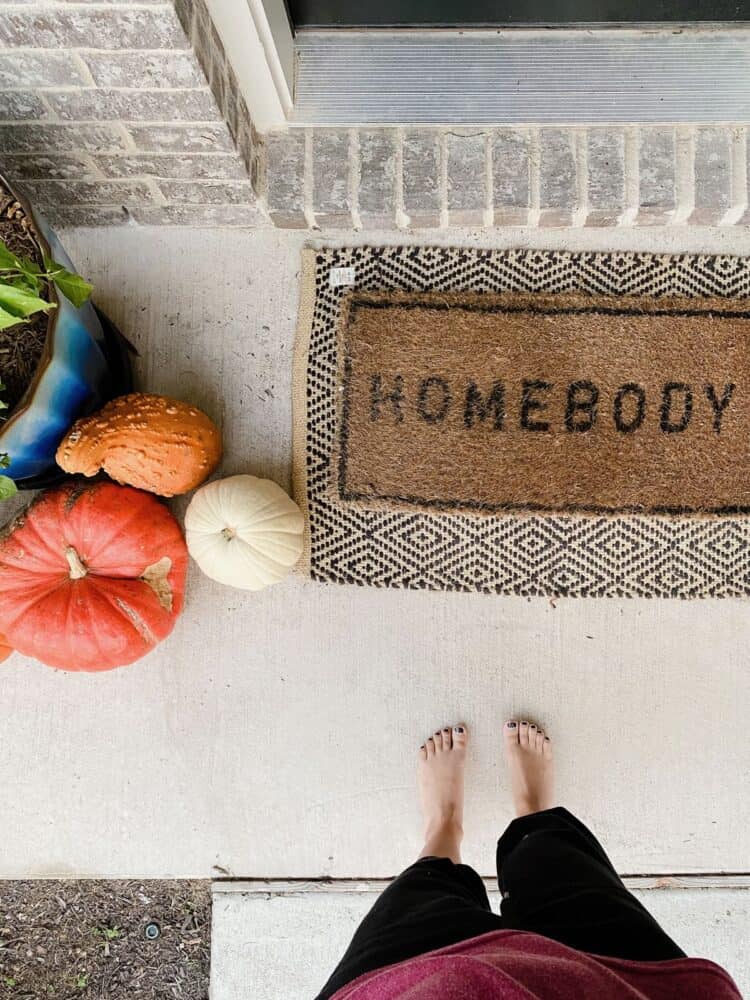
x=269 y=946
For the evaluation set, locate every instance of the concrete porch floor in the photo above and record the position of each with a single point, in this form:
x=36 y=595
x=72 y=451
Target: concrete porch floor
x=273 y=735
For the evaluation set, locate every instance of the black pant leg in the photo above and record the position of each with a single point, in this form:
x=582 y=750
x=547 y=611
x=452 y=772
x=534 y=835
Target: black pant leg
x=433 y=904
x=556 y=880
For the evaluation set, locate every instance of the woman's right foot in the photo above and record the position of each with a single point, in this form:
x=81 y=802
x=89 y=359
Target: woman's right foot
x=440 y=774
x=528 y=752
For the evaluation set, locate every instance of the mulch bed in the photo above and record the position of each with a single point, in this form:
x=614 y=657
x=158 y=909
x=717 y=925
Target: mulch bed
x=86 y=939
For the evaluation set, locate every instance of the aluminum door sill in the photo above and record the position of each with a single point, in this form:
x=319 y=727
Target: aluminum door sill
x=523 y=77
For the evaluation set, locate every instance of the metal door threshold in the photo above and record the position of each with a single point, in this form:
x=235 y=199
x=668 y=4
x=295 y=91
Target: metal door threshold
x=515 y=77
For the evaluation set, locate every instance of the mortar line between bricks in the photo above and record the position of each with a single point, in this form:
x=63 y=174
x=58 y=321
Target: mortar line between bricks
x=41 y=50
x=156 y=191
x=192 y=181
x=109 y=122
x=218 y=154
x=49 y=88
x=402 y=219
x=489 y=199
x=580 y=140
x=119 y=128
x=109 y=182
x=534 y=177
x=92 y=165
x=65 y=6
x=83 y=67
x=737 y=178
x=684 y=175
x=307 y=182
x=197 y=89
x=631 y=178
x=178 y=182
x=5 y=122
x=150 y=122
x=190 y=31
x=354 y=177
x=443 y=179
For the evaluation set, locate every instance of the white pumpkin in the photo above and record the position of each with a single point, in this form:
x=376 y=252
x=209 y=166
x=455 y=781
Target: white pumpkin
x=244 y=531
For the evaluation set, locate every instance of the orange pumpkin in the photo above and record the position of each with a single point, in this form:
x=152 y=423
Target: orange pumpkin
x=151 y=442
x=91 y=577
x=5 y=649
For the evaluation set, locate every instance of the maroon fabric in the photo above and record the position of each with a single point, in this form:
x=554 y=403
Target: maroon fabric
x=516 y=965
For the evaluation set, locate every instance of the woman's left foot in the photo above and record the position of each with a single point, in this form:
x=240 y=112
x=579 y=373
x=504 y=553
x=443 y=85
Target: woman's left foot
x=440 y=772
x=528 y=751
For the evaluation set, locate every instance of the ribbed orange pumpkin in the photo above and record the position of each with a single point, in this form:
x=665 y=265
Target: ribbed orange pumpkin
x=91 y=577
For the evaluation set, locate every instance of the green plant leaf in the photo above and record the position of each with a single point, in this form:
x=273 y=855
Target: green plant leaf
x=27 y=264
x=7 y=488
x=20 y=302
x=110 y=933
x=29 y=284
x=8 y=260
x=4 y=460
x=30 y=274
x=73 y=286
x=8 y=319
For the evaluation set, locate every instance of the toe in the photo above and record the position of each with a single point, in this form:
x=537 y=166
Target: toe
x=510 y=732
x=539 y=742
x=430 y=746
x=547 y=747
x=460 y=736
x=447 y=740
x=438 y=740
x=523 y=734
x=422 y=752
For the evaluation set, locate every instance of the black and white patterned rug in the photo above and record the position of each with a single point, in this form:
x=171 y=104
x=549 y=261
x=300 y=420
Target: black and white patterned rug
x=528 y=555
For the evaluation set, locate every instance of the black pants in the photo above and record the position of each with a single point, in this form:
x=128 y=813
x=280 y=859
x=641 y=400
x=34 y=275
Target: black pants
x=555 y=880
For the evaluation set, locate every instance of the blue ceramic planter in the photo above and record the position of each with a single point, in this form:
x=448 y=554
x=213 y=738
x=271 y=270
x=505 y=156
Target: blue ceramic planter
x=74 y=376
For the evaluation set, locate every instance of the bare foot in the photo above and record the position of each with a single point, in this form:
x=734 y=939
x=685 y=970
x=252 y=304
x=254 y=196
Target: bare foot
x=529 y=755
x=440 y=774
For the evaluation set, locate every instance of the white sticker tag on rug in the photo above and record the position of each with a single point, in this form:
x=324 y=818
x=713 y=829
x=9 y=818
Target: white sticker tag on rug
x=340 y=276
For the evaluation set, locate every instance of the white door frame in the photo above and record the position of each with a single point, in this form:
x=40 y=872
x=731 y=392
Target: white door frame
x=259 y=45
x=570 y=76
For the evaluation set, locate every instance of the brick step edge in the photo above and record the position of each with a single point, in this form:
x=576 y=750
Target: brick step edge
x=402 y=178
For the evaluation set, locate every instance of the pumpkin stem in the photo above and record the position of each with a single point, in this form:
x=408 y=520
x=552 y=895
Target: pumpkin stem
x=77 y=567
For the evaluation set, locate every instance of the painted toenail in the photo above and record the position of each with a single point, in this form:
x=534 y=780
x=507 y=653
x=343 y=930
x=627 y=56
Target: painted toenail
x=459 y=729
x=511 y=725
x=524 y=723
x=547 y=739
x=532 y=726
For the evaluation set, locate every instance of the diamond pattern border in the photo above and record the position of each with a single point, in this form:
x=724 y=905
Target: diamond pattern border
x=512 y=554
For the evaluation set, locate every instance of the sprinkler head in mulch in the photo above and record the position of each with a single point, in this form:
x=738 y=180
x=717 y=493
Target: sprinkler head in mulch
x=152 y=931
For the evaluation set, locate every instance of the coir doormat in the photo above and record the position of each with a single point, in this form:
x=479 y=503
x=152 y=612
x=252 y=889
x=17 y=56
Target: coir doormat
x=525 y=422
x=556 y=403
